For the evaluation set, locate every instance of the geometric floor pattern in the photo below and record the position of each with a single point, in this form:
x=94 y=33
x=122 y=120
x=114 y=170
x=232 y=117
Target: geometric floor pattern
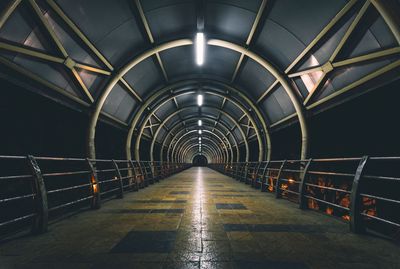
x=199 y=219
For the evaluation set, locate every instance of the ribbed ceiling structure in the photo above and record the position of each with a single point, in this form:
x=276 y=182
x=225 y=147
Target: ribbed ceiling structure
x=267 y=63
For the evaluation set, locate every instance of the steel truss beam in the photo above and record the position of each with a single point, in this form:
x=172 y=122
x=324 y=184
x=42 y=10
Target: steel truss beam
x=250 y=36
x=389 y=14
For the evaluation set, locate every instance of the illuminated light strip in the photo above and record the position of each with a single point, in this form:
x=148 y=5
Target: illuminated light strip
x=200 y=48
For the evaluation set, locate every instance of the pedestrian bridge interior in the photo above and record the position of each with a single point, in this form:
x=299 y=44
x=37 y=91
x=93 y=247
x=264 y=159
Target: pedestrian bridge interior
x=199 y=134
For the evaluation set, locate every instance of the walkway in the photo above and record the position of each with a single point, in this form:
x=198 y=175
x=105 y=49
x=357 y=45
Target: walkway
x=199 y=219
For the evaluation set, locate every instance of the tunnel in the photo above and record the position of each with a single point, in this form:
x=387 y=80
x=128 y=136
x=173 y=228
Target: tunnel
x=199 y=160
x=199 y=134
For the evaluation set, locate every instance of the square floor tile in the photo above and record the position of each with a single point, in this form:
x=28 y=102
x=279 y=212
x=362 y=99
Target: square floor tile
x=146 y=242
x=230 y=206
x=179 y=192
x=270 y=265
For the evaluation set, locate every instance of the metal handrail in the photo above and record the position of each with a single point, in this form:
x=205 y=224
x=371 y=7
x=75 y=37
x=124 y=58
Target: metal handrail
x=331 y=185
x=58 y=185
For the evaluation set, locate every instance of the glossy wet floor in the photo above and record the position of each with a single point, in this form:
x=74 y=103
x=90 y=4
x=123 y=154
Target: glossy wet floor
x=199 y=219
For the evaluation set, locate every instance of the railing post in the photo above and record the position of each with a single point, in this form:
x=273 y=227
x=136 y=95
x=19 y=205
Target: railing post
x=120 y=194
x=278 y=191
x=236 y=171
x=303 y=186
x=143 y=174
x=254 y=180
x=245 y=171
x=150 y=169
x=357 y=224
x=136 y=188
x=153 y=171
x=40 y=221
x=264 y=186
x=95 y=203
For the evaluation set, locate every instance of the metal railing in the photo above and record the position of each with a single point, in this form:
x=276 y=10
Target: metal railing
x=34 y=190
x=365 y=191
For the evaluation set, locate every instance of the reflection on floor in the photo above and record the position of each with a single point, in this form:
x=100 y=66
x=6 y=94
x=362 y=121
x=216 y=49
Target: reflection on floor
x=208 y=221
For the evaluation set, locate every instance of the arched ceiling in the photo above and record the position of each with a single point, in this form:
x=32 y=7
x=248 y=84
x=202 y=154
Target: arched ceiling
x=267 y=63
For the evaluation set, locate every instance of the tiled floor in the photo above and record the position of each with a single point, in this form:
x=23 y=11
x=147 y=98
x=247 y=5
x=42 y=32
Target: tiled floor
x=199 y=219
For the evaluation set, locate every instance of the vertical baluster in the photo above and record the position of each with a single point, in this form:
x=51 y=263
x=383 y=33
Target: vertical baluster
x=40 y=221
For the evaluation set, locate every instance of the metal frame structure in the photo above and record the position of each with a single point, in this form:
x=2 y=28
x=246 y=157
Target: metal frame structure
x=176 y=151
x=191 y=141
x=251 y=122
x=170 y=89
x=283 y=78
x=205 y=119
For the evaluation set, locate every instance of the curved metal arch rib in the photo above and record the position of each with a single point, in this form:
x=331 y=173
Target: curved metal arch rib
x=183 y=152
x=177 y=112
x=186 y=42
x=213 y=152
x=193 y=141
x=205 y=118
x=298 y=106
x=177 y=155
x=193 y=151
x=176 y=145
x=217 y=156
x=206 y=150
x=190 y=91
x=193 y=154
x=114 y=80
x=220 y=137
x=227 y=88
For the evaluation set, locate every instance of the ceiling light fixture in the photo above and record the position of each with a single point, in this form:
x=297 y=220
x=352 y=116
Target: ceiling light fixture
x=200 y=48
x=200 y=123
x=199 y=131
x=199 y=100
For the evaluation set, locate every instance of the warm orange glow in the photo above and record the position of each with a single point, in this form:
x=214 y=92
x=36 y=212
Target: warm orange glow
x=291 y=181
x=313 y=204
x=329 y=211
x=346 y=217
x=312 y=78
x=94 y=184
x=345 y=201
x=370 y=205
x=271 y=184
x=95 y=188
